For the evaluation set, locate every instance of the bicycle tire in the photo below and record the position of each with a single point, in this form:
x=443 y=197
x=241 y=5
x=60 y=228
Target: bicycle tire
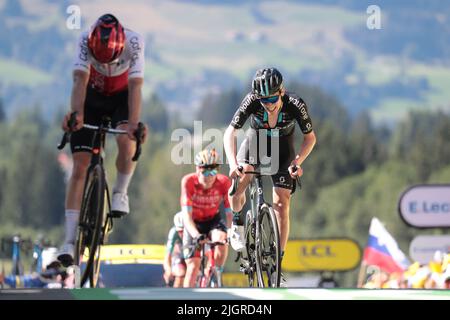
x=250 y=250
x=212 y=281
x=91 y=216
x=268 y=250
x=106 y=228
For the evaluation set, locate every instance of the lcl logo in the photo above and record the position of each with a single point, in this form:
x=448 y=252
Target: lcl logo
x=316 y=251
x=132 y=251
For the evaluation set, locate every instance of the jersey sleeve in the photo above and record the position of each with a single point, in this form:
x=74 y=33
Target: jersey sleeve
x=137 y=60
x=301 y=114
x=246 y=108
x=81 y=59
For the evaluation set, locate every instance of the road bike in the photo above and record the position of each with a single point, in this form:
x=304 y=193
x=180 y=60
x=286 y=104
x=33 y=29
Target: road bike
x=96 y=216
x=209 y=276
x=261 y=258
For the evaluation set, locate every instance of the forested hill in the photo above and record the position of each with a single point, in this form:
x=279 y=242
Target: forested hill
x=197 y=48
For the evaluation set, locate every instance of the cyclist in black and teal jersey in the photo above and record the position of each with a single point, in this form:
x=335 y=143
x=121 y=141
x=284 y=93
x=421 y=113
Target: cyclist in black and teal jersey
x=273 y=113
x=174 y=264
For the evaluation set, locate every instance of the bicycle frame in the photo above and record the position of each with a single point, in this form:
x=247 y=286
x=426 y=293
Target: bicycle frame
x=208 y=262
x=256 y=196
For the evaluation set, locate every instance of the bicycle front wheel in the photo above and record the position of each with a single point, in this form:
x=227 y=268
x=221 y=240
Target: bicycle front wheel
x=268 y=251
x=215 y=280
x=249 y=260
x=90 y=225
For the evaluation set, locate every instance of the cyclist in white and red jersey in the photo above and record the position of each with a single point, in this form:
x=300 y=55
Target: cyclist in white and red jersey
x=108 y=75
x=202 y=192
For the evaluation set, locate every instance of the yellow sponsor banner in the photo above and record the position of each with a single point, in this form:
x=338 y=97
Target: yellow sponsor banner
x=137 y=253
x=234 y=280
x=321 y=255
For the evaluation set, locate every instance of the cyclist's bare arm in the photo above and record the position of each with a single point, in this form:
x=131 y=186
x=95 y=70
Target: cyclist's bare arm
x=308 y=144
x=134 y=103
x=309 y=140
x=80 y=81
x=167 y=261
x=189 y=224
x=229 y=142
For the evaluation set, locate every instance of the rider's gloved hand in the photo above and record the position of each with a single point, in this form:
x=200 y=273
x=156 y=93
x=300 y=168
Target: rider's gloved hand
x=79 y=121
x=236 y=170
x=200 y=239
x=295 y=170
x=132 y=131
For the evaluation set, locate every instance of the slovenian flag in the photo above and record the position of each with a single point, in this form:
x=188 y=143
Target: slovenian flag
x=382 y=250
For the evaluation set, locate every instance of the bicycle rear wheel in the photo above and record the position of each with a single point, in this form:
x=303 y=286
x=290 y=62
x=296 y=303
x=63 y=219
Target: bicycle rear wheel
x=268 y=251
x=90 y=225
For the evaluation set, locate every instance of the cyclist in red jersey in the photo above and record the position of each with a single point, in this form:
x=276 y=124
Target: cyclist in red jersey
x=108 y=75
x=202 y=192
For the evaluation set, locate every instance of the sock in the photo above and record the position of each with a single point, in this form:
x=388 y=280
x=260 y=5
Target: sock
x=72 y=217
x=237 y=219
x=122 y=182
x=219 y=269
x=282 y=255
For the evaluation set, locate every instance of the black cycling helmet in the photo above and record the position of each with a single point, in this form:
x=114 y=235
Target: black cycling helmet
x=267 y=82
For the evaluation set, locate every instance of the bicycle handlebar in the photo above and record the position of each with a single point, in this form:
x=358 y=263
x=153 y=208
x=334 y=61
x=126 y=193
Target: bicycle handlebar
x=240 y=168
x=210 y=242
x=138 y=134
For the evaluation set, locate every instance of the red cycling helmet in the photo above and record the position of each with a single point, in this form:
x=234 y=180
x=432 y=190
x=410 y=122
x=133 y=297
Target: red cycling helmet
x=107 y=39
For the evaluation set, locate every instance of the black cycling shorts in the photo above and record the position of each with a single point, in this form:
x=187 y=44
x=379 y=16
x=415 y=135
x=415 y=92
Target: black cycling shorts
x=204 y=227
x=251 y=152
x=96 y=107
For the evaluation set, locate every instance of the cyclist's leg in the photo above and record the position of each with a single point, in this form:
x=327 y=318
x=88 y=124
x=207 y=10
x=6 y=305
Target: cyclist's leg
x=237 y=201
x=248 y=160
x=178 y=271
x=192 y=259
x=125 y=145
x=74 y=193
x=80 y=145
x=281 y=202
x=126 y=148
x=219 y=234
x=283 y=187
